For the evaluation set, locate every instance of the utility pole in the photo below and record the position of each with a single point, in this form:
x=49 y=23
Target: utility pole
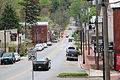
x=97 y=35
x=88 y=43
x=105 y=32
x=83 y=46
x=5 y=40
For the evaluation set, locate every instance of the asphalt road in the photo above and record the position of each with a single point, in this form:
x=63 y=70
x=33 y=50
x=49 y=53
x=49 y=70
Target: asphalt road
x=22 y=70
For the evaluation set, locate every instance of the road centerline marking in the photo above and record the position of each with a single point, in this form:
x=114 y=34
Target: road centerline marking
x=19 y=74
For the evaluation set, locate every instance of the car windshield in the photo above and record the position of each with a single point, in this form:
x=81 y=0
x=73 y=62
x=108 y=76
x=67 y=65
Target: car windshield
x=37 y=45
x=16 y=54
x=7 y=55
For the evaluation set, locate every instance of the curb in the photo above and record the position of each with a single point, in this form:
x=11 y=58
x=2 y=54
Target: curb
x=24 y=57
x=80 y=76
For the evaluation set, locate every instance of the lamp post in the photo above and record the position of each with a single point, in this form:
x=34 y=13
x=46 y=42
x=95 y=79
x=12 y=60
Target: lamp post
x=83 y=46
x=4 y=40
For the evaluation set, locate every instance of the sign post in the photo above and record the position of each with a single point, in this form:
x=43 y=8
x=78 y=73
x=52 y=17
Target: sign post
x=32 y=56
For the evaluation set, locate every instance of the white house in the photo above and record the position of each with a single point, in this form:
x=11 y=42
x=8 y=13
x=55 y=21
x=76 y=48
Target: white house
x=8 y=34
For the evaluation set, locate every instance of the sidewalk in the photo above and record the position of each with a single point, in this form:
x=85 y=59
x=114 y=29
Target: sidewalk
x=90 y=66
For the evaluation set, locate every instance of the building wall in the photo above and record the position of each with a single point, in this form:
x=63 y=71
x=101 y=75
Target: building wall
x=8 y=34
x=116 y=19
x=110 y=25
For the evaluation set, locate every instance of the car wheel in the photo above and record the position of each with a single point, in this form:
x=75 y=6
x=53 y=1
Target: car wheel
x=2 y=63
x=12 y=61
x=67 y=59
x=47 y=69
x=34 y=69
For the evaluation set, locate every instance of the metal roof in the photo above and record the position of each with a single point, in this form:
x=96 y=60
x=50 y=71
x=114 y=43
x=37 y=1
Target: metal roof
x=37 y=23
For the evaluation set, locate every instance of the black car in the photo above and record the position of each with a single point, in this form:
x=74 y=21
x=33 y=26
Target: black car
x=72 y=54
x=7 y=58
x=70 y=40
x=42 y=64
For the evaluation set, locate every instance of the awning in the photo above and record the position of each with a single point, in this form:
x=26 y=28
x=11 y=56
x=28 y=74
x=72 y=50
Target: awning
x=27 y=40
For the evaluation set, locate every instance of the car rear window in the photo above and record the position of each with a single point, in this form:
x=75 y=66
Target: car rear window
x=7 y=55
x=71 y=48
x=73 y=52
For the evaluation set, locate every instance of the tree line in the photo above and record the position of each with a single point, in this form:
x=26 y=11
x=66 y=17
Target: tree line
x=56 y=12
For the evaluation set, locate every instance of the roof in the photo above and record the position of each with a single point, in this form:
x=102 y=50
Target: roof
x=115 y=3
x=42 y=23
x=37 y=23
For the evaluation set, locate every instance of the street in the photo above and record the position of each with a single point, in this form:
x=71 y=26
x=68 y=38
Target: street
x=22 y=70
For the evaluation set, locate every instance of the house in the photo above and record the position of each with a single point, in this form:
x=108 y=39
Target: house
x=10 y=37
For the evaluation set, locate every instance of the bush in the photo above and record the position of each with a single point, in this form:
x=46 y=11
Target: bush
x=73 y=74
x=23 y=50
x=81 y=53
x=12 y=47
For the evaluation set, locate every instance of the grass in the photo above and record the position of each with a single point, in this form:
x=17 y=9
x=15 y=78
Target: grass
x=73 y=74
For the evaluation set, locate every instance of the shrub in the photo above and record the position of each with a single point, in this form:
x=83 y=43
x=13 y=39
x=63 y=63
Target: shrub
x=73 y=74
x=80 y=53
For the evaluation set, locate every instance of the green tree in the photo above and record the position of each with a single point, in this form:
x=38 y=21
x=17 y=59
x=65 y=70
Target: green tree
x=32 y=11
x=9 y=18
x=92 y=12
x=61 y=17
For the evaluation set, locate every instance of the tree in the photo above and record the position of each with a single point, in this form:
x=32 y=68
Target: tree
x=32 y=10
x=61 y=17
x=92 y=12
x=9 y=19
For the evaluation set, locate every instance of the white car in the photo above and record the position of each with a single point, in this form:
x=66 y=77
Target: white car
x=45 y=45
x=41 y=45
x=49 y=43
x=38 y=47
x=17 y=56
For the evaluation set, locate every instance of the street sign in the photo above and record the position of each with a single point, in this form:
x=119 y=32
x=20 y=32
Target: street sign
x=32 y=56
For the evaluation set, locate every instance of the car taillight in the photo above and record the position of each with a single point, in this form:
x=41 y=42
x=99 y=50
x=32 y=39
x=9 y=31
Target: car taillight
x=34 y=62
x=45 y=63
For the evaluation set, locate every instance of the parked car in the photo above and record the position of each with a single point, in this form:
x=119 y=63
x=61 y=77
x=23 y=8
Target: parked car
x=49 y=43
x=67 y=36
x=70 y=40
x=1 y=53
x=44 y=45
x=17 y=56
x=70 y=48
x=55 y=41
x=41 y=45
x=38 y=47
x=72 y=54
x=8 y=57
x=42 y=64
